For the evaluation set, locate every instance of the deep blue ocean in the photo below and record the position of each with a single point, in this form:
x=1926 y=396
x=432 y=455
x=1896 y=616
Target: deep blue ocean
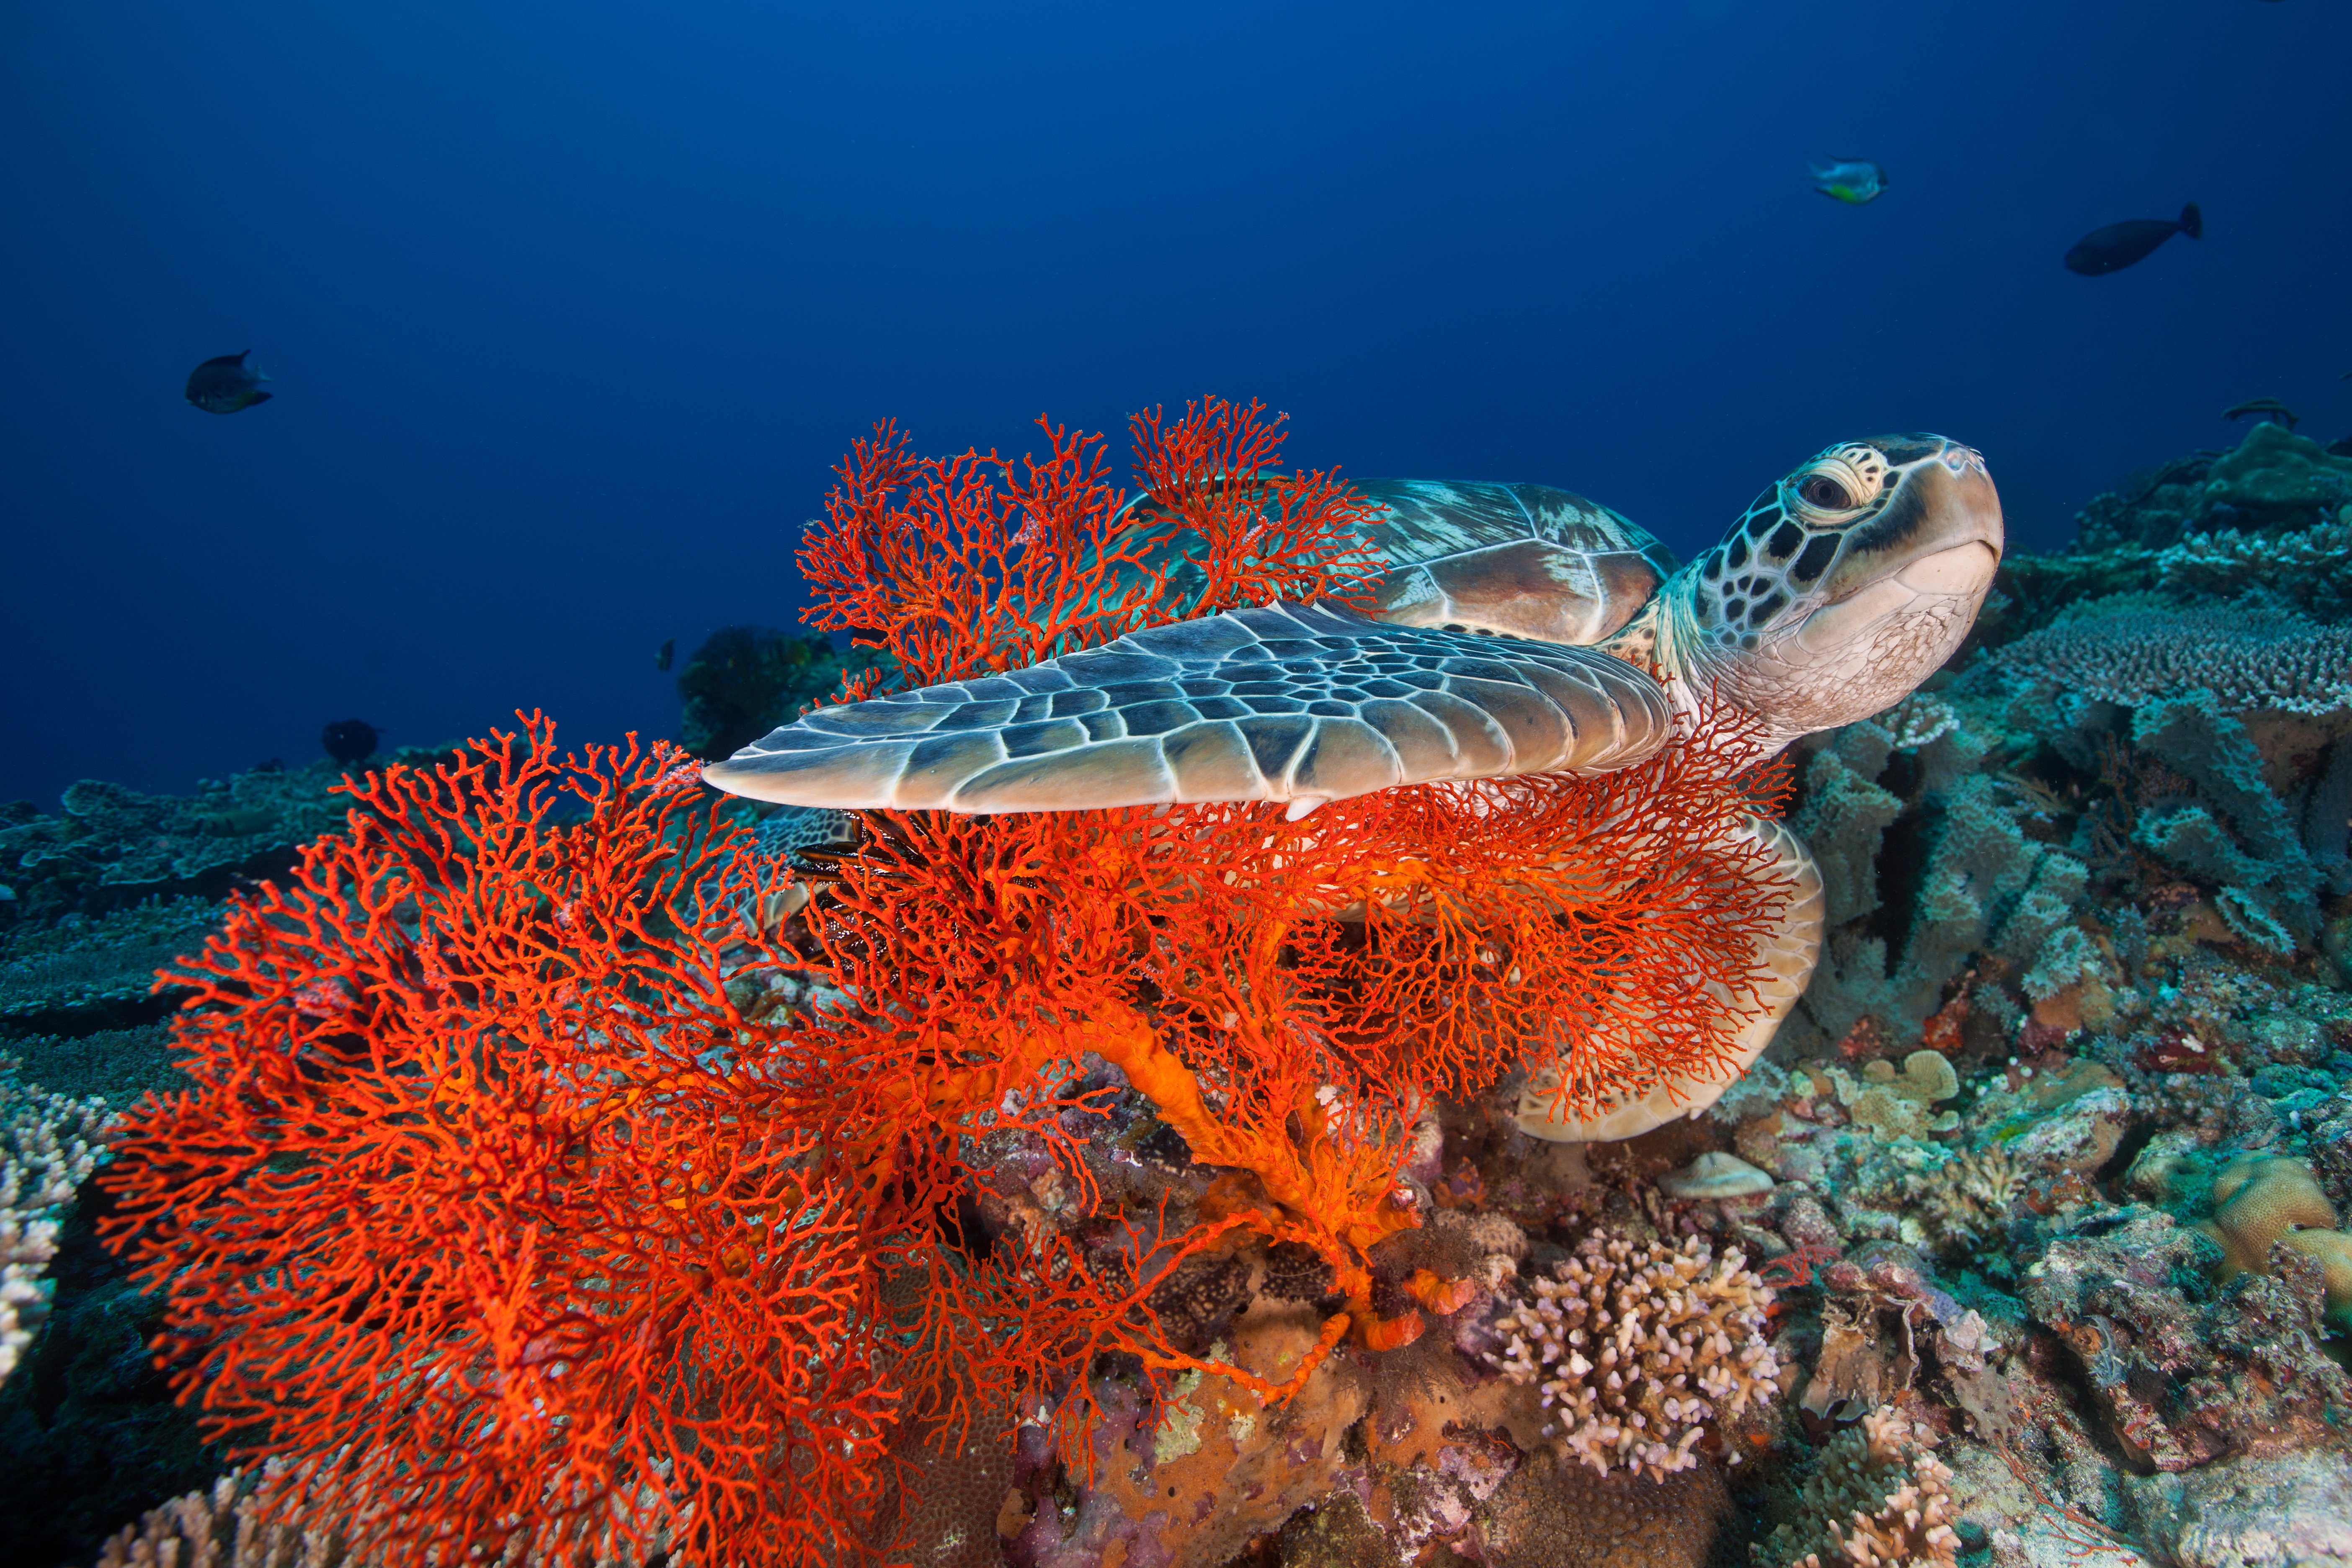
x=569 y=308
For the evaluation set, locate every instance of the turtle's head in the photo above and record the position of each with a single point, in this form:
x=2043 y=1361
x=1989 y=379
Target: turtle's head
x=1845 y=584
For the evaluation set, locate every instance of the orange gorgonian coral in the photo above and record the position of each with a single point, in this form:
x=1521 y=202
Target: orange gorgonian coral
x=967 y=566
x=1287 y=994
x=462 y=1215
x=504 y=1209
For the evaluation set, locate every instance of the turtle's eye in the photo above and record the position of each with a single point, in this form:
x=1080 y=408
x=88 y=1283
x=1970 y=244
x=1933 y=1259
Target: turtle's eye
x=1820 y=491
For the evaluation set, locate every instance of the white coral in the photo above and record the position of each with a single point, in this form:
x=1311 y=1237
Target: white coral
x=48 y=1143
x=1645 y=1346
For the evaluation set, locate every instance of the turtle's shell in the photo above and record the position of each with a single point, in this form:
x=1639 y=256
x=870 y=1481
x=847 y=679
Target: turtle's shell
x=1524 y=560
x=1529 y=561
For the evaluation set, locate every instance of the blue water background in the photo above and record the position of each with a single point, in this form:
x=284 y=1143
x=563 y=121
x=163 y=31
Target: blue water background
x=569 y=307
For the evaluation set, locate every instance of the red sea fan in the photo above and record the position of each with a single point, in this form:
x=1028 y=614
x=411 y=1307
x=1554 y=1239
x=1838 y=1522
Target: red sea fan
x=967 y=566
x=1287 y=994
x=464 y=1216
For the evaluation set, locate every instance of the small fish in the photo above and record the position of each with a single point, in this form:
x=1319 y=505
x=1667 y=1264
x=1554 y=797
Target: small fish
x=2117 y=245
x=225 y=384
x=1857 y=181
x=2265 y=408
x=668 y=652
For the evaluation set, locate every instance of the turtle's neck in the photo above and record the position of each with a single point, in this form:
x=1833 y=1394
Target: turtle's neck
x=1665 y=635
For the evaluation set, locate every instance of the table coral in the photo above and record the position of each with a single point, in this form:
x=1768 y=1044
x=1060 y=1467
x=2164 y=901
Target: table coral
x=1640 y=1350
x=2128 y=651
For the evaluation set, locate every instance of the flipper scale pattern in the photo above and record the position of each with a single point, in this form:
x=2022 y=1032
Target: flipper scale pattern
x=1283 y=702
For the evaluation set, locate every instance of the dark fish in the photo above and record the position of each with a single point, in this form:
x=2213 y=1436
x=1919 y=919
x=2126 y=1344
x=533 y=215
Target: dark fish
x=2265 y=408
x=349 y=741
x=225 y=384
x=668 y=652
x=2117 y=245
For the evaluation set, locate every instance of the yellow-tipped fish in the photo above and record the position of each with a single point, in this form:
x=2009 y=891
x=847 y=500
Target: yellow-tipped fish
x=1857 y=181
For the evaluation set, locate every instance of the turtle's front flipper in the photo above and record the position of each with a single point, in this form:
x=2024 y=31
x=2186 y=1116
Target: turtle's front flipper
x=1781 y=960
x=1298 y=702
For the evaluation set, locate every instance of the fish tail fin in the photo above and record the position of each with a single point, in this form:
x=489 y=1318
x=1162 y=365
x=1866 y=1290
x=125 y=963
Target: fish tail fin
x=2192 y=222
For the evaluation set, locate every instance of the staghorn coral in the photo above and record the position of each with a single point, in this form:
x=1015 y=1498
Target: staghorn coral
x=1877 y=1499
x=1640 y=1350
x=48 y=1145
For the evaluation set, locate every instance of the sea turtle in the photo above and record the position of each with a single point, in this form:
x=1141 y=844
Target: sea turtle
x=1493 y=646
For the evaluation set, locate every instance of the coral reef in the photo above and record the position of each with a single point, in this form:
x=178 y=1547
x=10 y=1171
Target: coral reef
x=1141 y=1261
x=109 y=847
x=81 y=973
x=2126 y=650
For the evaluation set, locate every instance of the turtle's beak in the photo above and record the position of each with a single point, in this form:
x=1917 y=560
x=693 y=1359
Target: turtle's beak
x=1940 y=537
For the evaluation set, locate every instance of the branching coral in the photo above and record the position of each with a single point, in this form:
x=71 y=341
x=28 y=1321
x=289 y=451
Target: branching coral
x=49 y=1144
x=967 y=566
x=1641 y=1350
x=1876 y=1500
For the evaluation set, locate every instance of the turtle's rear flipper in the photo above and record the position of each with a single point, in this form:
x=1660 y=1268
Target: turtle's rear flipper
x=1298 y=702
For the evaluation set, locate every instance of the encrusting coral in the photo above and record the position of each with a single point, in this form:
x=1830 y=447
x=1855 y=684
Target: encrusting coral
x=1877 y=1499
x=1640 y=1350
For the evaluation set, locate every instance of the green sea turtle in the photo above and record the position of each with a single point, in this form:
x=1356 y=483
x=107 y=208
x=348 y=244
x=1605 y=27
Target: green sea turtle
x=1502 y=640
